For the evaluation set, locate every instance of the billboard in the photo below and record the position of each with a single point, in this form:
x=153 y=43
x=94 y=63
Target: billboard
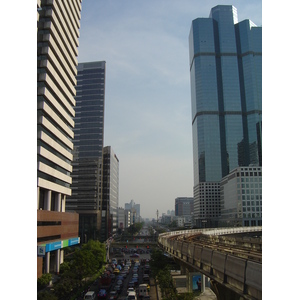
x=197 y=282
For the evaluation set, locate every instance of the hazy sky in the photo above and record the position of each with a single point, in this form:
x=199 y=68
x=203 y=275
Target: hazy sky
x=147 y=100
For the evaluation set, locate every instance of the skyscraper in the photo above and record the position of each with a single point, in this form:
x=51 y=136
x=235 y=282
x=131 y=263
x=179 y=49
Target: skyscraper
x=226 y=95
x=88 y=148
x=57 y=42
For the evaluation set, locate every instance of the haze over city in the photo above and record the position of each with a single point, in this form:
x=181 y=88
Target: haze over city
x=147 y=98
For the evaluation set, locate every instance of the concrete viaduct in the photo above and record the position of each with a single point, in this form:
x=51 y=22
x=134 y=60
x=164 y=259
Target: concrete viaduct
x=230 y=257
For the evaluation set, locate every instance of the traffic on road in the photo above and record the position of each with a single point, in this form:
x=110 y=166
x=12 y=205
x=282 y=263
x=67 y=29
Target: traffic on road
x=126 y=276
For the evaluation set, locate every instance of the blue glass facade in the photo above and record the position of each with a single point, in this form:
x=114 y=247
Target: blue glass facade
x=226 y=94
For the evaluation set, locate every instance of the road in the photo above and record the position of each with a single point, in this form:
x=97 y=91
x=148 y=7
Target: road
x=143 y=255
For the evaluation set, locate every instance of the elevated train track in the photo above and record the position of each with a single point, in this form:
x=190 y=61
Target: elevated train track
x=230 y=256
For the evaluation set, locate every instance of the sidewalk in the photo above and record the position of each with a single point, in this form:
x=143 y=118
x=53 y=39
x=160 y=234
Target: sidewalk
x=207 y=295
x=152 y=293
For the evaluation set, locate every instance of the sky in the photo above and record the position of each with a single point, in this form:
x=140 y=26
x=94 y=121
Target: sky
x=147 y=98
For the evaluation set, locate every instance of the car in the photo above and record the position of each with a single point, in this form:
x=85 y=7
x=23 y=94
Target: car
x=131 y=284
x=119 y=282
x=131 y=289
x=112 y=276
x=146 y=278
x=131 y=296
x=113 y=295
x=118 y=288
x=102 y=294
x=134 y=255
x=116 y=271
x=123 y=274
x=135 y=275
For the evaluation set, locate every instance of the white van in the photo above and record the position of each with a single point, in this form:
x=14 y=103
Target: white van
x=131 y=296
x=142 y=290
x=90 y=296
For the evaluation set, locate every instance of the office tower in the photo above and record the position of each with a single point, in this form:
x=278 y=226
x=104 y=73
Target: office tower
x=184 y=206
x=226 y=96
x=88 y=148
x=57 y=42
x=110 y=193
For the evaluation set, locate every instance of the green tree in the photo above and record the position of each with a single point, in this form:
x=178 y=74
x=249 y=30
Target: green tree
x=63 y=289
x=158 y=261
x=166 y=284
x=46 y=296
x=89 y=259
x=43 y=281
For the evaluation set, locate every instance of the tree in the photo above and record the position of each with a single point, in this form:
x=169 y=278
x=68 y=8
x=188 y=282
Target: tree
x=89 y=259
x=46 y=296
x=43 y=281
x=63 y=290
x=158 y=261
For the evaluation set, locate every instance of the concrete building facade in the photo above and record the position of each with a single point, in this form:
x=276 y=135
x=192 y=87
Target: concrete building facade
x=58 y=24
x=241 y=197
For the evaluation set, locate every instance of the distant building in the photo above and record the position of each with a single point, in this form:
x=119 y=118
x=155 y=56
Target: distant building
x=171 y=212
x=121 y=218
x=57 y=43
x=241 y=197
x=184 y=206
x=128 y=218
x=166 y=219
x=226 y=97
x=135 y=211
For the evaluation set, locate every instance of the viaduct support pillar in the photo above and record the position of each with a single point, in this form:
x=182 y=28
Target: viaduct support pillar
x=183 y=270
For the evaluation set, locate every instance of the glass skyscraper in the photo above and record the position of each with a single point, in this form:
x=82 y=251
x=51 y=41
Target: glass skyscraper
x=226 y=95
x=88 y=148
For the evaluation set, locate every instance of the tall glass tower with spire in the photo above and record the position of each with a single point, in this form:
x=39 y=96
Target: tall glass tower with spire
x=226 y=96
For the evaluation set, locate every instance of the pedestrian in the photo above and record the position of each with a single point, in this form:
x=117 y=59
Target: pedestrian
x=199 y=284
